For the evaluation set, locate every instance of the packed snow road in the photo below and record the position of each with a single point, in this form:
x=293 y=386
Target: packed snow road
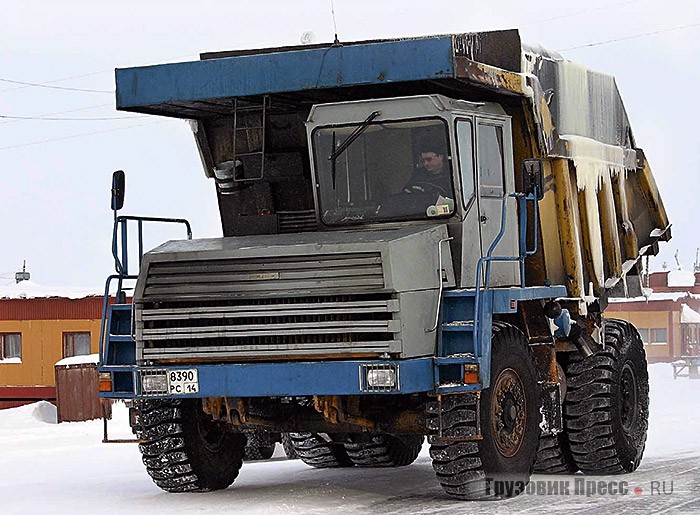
x=65 y=469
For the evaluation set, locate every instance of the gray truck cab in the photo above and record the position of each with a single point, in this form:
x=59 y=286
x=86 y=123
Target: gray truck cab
x=366 y=169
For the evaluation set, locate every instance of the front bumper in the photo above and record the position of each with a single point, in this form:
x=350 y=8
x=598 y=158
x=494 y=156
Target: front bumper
x=292 y=379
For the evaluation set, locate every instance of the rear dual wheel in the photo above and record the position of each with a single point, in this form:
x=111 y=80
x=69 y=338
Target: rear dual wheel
x=606 y=409
x=385 y=451
x=606 y=412
x=318 y=451
x=260 y=445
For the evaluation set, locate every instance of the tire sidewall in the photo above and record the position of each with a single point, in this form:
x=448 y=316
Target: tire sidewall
x=630 y=444
x=215 y=468
x=509 y=353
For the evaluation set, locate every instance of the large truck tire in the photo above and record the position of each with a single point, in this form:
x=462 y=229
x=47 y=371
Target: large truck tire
x=314 y=450
x=606 y=411
x=499 y=464
x=288 y=446
x=554 y=455
x=183 y=448
x=385 y=451
x=259 y=446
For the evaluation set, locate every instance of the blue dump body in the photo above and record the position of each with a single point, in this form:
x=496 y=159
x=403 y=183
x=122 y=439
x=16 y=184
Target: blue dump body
x=181 y=84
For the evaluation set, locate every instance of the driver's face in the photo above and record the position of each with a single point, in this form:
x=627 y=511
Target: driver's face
x=431 y=161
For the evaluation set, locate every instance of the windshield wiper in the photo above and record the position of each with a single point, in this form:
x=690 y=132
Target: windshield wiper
x=353 y=136
x=348 y=141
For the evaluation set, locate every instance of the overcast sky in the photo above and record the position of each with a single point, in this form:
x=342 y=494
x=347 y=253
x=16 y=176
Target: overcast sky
x=55 y=175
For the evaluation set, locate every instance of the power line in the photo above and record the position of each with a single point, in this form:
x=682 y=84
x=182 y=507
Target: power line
x=69 y=119
x=29 y=85
x=24 y=85
x=672 y=29
x=44 y=85
x=80 y=135
x=62 y=112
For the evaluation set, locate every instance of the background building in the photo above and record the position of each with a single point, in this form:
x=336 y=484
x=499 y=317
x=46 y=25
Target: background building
x=38 y=327
x=668 y=320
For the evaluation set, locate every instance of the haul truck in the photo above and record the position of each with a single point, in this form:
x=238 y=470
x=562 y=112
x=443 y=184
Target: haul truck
x=358 y=306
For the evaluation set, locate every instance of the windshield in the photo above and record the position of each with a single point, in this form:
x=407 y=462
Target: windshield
x=389 y=171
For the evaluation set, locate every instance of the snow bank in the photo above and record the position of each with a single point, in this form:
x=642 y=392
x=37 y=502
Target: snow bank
x=37 y=414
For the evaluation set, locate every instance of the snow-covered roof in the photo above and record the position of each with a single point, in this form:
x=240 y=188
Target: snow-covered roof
x=82 y=360
x=657 y=296
x=689 y=315
x=31 y=290
x=681 y=278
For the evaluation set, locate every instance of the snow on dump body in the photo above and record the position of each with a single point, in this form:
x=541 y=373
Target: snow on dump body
x=583 y=102
x=593 y=132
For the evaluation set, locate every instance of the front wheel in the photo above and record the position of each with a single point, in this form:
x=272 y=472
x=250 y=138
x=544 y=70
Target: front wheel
x=499 y=464
x=183 y=448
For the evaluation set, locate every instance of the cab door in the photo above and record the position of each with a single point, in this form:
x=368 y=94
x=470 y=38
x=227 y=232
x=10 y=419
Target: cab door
x=471 y=237
x=495 y=182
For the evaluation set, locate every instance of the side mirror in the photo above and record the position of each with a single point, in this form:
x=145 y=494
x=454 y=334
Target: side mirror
x=533 y=178
x=118 y=185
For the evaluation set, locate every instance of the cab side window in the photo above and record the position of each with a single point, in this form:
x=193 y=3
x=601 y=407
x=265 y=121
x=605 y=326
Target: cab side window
x=491 y=178
x=465 y=143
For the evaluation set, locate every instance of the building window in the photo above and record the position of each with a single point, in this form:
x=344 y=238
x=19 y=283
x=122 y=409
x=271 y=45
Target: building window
x=644 y=335
x=76 y=344
x=653 y=336
x=10 y=345
x=658 y=336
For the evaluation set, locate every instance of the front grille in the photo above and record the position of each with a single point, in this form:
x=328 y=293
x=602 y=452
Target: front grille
x=267 y=307
x=296 y=221
x=201 y=280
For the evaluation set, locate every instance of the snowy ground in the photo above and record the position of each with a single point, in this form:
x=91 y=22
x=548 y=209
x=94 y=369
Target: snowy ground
x=64 y=468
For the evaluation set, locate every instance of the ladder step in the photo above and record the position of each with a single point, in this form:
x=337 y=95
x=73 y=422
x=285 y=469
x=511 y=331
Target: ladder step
x=456 y=359
x=460 y=293
x=118 y=338
x=457 y=388
x=458 y=325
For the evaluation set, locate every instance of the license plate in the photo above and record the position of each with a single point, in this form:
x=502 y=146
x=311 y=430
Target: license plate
x=183 y=381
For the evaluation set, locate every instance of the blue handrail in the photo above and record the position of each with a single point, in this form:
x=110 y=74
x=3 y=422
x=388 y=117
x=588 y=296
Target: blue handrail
x=121 y=222
x=523 y=250
x=121 y=265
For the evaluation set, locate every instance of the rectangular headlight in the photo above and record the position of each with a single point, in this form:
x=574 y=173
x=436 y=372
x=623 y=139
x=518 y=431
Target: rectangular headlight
x=154 y=382
x=379 y=377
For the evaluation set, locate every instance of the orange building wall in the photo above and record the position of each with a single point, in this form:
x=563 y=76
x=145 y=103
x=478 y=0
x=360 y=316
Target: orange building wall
x=42 y=347
x=655 y=319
